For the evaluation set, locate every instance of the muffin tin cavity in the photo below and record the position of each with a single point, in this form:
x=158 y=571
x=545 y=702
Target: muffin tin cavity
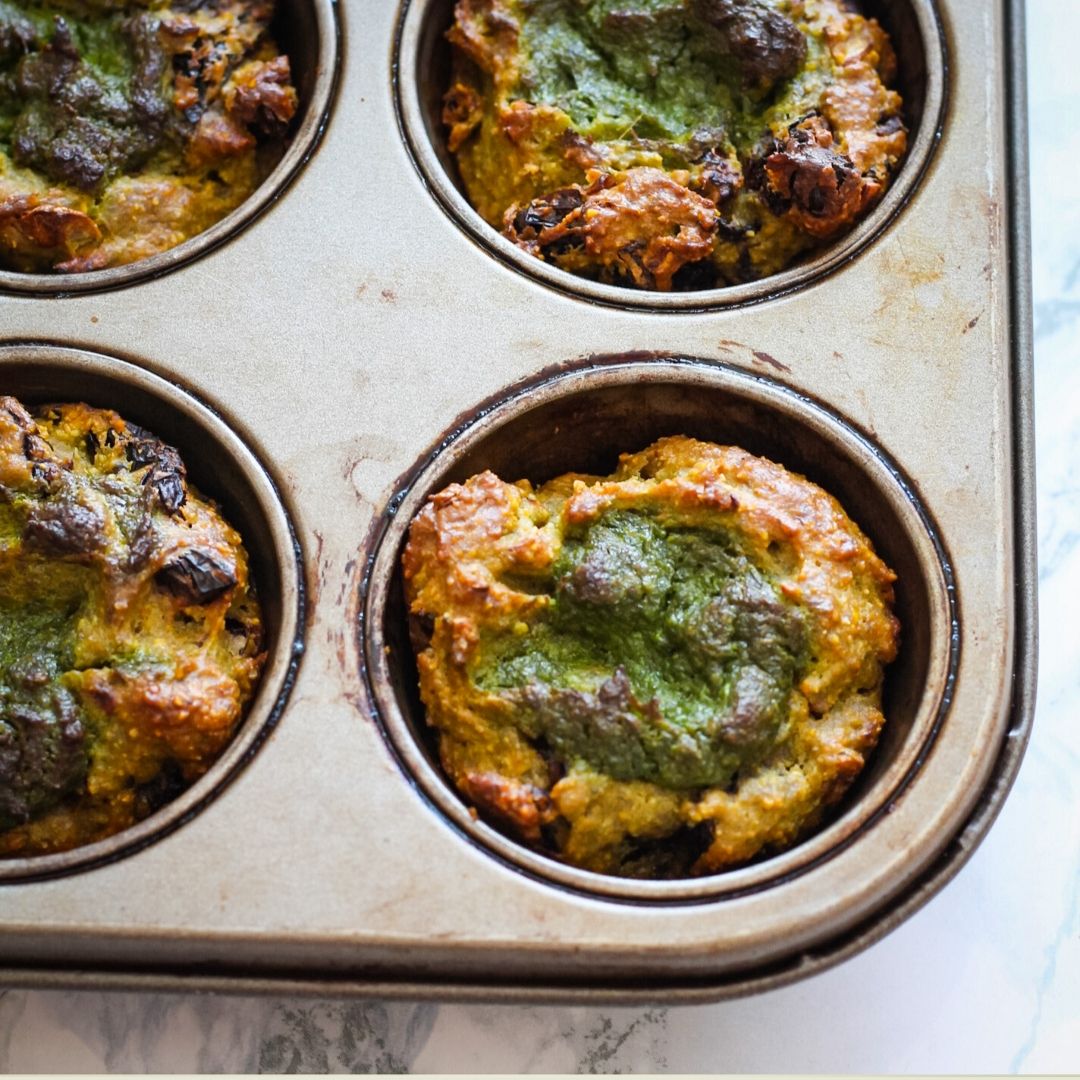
x=223 y=469
x=307 y=31
x=422 y=72
x=580 y=420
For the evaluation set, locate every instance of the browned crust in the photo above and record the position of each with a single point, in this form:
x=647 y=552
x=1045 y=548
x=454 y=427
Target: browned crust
x=33 y=226
x=474 y=545
x=166 y=581
x=643 y=226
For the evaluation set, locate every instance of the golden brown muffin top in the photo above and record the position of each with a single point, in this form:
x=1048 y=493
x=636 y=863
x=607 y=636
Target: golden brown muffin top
x=667 y=144
x=665 y=671
x=130 y=638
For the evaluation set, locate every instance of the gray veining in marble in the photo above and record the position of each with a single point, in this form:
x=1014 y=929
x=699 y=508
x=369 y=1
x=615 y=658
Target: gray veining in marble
x=985 y=979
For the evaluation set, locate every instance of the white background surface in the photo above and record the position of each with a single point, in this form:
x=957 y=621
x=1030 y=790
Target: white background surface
x=986 y=978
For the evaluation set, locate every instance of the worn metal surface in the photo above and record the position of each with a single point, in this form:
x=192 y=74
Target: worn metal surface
x=353 y=325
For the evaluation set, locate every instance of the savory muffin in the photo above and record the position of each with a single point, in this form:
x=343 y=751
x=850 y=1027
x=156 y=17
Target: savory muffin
x=664 y=144
x=128 y=126
x=664 y=672
x=130 y=636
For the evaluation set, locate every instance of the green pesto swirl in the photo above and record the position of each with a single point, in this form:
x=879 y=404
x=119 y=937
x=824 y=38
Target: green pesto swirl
x=83 y=93
x=667 y=70
x=665 y=655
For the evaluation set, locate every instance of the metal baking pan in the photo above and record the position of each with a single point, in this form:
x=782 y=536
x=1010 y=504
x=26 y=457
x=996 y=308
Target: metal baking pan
x=360 y=341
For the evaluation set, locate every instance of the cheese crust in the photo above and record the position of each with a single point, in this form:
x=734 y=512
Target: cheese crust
x=672 y=144
x=665 y=672
x=130 y=635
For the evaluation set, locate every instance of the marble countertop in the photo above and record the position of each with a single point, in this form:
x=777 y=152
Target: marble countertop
x=986 y=978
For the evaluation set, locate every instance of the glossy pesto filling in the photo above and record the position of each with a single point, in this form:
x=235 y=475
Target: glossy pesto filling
x=665 y=655
x=46 y=732
x=43 y=738
x=654 y=70
x=83 y=92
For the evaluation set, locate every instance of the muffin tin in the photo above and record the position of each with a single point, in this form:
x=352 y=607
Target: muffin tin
x=308 y=31
x=355 y=347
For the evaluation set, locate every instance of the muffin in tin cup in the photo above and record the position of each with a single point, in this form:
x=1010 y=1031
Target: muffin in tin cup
x=141 y=135
x=517 y=600
x=152 y=603
x=671 y=156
